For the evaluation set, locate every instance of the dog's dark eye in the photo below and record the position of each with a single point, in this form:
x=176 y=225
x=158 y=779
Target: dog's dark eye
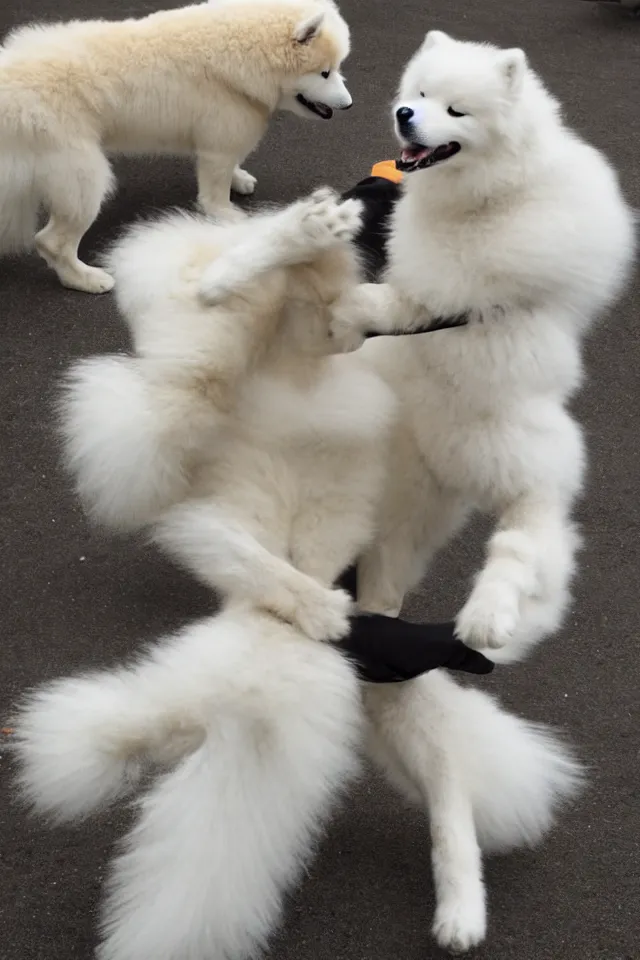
x=325 y=74
x=421 y=94
x=455 y=113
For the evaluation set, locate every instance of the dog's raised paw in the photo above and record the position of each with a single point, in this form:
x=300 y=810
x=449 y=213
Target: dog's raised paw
x=489 y=618
x=325 y=220
x=460 y=926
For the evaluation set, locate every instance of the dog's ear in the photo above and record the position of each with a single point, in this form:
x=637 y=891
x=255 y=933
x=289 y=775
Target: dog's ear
x=435 y=37
x=513 y=64
x=308 y=29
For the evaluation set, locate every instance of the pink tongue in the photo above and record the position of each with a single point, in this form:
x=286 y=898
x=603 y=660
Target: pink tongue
x=415 y=153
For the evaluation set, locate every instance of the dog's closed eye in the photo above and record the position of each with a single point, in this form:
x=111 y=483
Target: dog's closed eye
x=455 y=113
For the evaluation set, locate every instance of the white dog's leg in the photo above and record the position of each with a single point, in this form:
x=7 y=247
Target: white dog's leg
x=529 y=565
x=73 y=184
x=378 y=309
x=460 y=919
x=215 y=172
x=294 y=235
x=416 y=521
x=413 y=738
x=326 y=541
x=223 y=553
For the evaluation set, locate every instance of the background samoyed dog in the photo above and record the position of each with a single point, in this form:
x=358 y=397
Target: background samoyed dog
x=263 y=455
x=509 y=219
x=202 y=79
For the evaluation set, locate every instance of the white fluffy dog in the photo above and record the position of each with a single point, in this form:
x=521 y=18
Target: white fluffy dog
x=202 y=79
x=260 y=457
x=510 y=219
x=253 y=452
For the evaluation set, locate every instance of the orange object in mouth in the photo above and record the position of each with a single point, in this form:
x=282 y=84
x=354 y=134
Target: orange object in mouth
x=388 y=170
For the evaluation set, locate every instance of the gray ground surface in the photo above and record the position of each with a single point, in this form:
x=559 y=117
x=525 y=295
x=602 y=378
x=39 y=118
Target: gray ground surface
x=70 y=597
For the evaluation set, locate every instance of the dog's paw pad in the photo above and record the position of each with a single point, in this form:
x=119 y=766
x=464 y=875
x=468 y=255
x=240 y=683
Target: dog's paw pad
x=325 y=220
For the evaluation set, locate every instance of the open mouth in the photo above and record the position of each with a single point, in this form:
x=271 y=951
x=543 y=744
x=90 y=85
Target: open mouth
x=316 y=106
x=418 y=157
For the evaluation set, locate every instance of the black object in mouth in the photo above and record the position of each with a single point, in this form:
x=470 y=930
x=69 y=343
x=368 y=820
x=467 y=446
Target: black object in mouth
x=316 y=106
x=418 y=157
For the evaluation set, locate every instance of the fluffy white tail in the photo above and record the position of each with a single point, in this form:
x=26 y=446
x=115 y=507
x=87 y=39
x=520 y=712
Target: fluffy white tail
x=516 y=774
x=126 y=438
x=19 y=205
x=269 y=723
x=519 y=775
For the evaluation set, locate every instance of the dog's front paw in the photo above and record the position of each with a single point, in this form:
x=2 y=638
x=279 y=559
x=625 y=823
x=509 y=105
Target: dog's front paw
x=460 y=924
x=489 y=618
x=345 y=331
x=243 y=182
x=218 y=283
x=323 y=614
x=325 y=220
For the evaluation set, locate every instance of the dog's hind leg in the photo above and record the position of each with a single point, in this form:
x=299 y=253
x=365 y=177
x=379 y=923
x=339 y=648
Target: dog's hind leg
x=73 y=183
x=412 y=739
x=224 y=552
x=416 y=521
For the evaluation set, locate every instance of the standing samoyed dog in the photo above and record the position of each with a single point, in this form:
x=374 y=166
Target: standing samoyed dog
x=202 y=79
x=262 y=459
x=510 y=221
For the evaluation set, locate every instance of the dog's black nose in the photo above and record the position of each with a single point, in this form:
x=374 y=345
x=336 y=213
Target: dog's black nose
x=404 y=116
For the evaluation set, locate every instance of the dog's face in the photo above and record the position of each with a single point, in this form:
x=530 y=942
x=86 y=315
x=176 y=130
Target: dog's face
x=323 y=41
x=456 y=100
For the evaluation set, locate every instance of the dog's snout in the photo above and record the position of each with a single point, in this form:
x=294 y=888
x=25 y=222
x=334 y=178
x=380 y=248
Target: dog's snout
x=404 y=116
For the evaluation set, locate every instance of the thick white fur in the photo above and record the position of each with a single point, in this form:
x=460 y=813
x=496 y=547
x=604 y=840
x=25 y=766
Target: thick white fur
x=525 y=229
x=202 y=79
x=257 y=728
x=240 y=400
